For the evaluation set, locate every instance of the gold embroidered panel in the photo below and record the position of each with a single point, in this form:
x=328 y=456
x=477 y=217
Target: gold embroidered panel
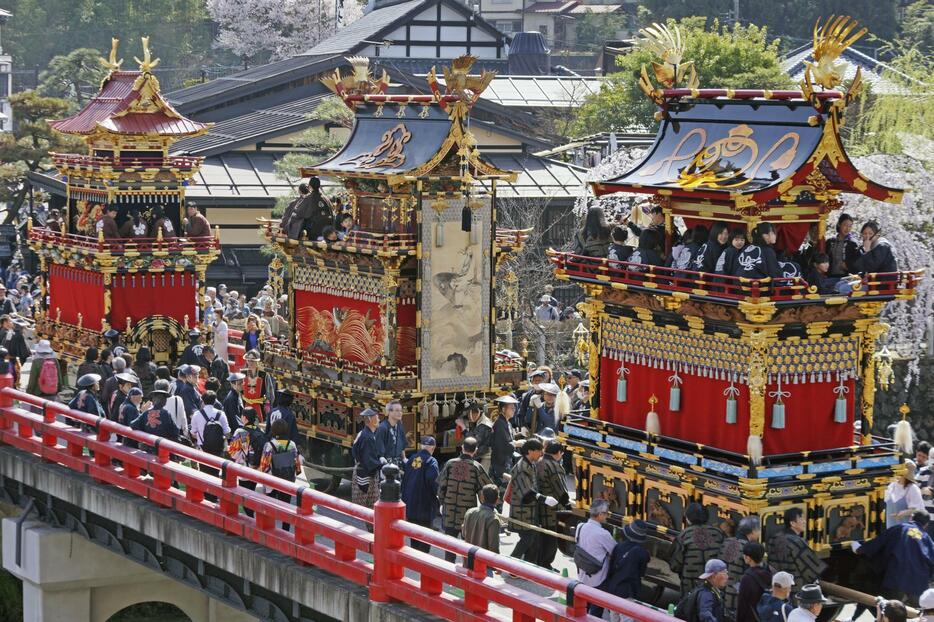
x=338 y=283
x=723 y=357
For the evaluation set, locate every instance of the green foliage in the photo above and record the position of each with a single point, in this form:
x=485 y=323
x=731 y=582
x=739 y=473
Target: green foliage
x=899 y=123
x=28 y=146
x=332 y=109
x=181 y=33
x=918 y=27
x=11 y=597
x=75 y=76
x=737 y=57
x=595 y=29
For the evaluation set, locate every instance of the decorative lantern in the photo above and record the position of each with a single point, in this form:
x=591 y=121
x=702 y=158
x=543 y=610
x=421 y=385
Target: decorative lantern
x=621 y=388
x=674 y=394
x=778 y=408
x=652 y=423
x=731 y=393
x=839 y=405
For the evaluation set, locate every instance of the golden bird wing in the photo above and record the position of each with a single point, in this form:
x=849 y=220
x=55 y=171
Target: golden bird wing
x=835 y=36
x=664 y=42
x=478 y=84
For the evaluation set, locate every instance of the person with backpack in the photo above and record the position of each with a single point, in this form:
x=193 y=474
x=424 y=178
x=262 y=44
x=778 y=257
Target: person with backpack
x=708 y=598
x=754 y=583
x=593 y=550
x=775 y=606
x=45 y=375
x=283 y=410
x=281 y=459
x=629 y=562
x=209 y=427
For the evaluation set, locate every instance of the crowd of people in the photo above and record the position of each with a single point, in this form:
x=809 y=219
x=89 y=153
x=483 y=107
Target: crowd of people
x=116 y=223
x=718 y=249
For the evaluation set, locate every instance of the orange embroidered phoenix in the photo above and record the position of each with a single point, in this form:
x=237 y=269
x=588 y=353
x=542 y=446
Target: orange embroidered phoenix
x=345 y=332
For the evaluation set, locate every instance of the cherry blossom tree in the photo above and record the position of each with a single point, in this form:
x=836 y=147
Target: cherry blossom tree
x=278 y=28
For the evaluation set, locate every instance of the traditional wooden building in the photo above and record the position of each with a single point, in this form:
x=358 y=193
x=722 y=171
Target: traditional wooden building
x=146 y=284
x=741 y=394
x=403 y=307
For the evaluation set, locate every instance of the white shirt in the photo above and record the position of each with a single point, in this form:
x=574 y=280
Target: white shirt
x=598 y=542
x=911 y=495
x=176 y=407
x=220 y=342
x=801 y=615
x=198 y=421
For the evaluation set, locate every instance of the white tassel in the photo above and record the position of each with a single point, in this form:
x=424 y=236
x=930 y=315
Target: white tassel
x=652 y=423
x=903 y=436
x=562 y=406
x=435 y=410
x=754 y=448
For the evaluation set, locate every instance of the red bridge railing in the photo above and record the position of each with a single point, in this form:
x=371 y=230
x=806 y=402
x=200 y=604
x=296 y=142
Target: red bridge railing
x=378 y=560
x=720 y=286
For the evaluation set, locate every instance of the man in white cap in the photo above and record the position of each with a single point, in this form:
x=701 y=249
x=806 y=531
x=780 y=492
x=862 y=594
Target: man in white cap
x=45 y=374
x=811 y=602
x=364 y=487
x=775 y=606
x=543 y=409
x=926 y=603
x=545 y=312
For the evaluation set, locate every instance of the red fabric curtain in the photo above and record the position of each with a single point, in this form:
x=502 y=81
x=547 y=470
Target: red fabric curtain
x=405 y=335
x=172 y=294
x=75 y=291
x=809 y=423
x=353 y=324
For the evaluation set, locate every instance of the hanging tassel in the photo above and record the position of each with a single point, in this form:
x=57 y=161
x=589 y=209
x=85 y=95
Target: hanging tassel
x=466 y=218
x=903 y=434
x=439 y=234
x=778 y=408
x=674 y=394
x=652 y=423
x=562 y=406
x=754 y=448
x=435 y=410
x=621 y=388
x=731 y=392
x=839 y=406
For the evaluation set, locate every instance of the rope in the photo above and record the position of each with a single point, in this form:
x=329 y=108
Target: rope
x=524 y=525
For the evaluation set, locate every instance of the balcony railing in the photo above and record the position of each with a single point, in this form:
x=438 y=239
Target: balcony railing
x=72 y=160
x=722 y=287
x=123 y=246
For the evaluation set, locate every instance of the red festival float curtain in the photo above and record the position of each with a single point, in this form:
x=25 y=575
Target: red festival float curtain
x=809 y=410
x=137 y=296
x=349 y=324
x=73 y=291
x=405 y=334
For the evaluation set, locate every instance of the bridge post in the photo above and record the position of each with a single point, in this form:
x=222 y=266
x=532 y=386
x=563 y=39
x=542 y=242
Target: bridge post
x=387 y=510
x=6 y=381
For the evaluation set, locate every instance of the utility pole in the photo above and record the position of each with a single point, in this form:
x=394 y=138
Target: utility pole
x=736 y=11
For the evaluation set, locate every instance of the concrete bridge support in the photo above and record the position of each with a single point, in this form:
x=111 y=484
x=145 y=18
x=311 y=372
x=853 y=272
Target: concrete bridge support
x=67 y=578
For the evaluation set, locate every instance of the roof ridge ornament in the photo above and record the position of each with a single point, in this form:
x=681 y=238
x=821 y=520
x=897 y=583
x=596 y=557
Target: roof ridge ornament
x=830 y=40
x=458 y=82
x=147 y=64
x=666 y=43
x=112 y=64
x=360 y=82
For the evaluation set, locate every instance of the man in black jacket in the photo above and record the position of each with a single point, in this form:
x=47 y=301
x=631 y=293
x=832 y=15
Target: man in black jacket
x=875 y=254
x=364 y=488
x=233 y=402
x=501 y=447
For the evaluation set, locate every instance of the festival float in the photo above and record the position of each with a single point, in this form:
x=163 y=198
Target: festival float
x=747 y=396
x=148 y=288
x=404 y=307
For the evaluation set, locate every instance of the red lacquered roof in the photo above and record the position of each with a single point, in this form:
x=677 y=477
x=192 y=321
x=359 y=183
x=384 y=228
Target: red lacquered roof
x=108 y=110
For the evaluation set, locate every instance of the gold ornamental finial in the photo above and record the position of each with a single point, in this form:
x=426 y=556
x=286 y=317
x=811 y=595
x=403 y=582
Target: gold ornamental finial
x=830 y=40
x=457 y=80
x=112 y=64
x=667 y=45
x=147 y=64
x=904 y=410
